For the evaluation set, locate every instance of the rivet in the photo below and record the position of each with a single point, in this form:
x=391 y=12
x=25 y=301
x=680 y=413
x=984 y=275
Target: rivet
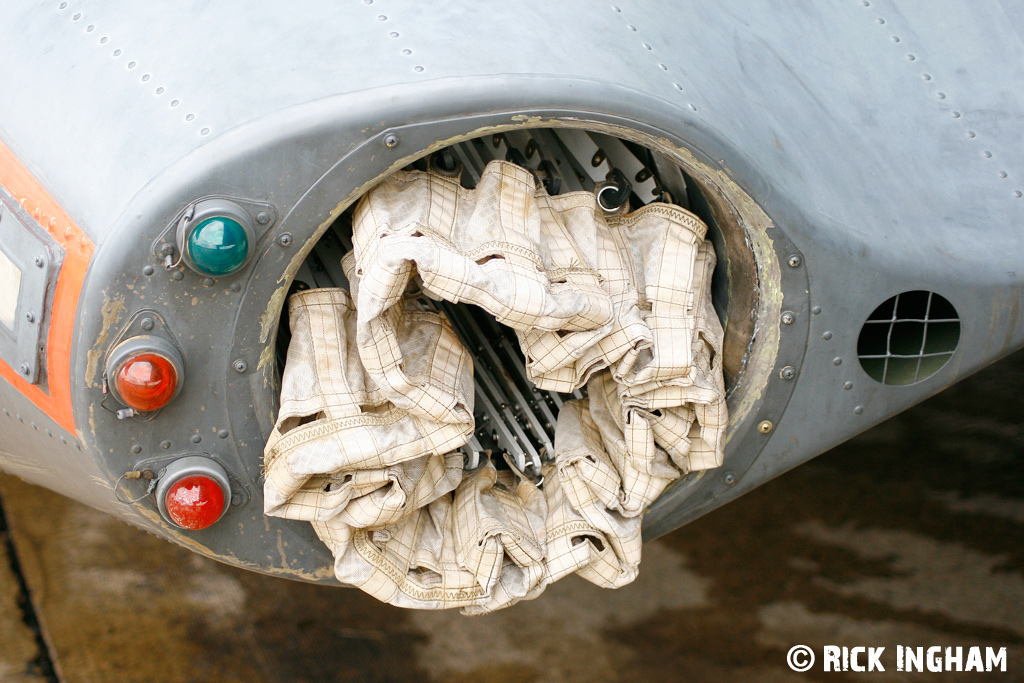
x=837 y=361
x=177 y=275
x=895 y=39
x=826 y=335
x=729 y=478
x=393 y=34
x=987 y=154
x=955 y=114
x=390 y=140
x=765 y=427
x=794 y=260
x=235 y=287
x=816 y=310
x=263 y=217
x=911 y=58
x=223 y=433
x=1018 y=194
x=926 y=77
x=136 y=449
x=382 y=17
x=858 y=410
x=788 y=372
x=788 y=318
x=847 y=385
x=236 y=499
x=148 y=270
x=240 y=365
x=418 y=69
x=196 y=438
x=285 y=240
x=208 y=282
x=165 y=445
x=940 y=95
x=1002 y=174
x=971 y=134
x=146 y=323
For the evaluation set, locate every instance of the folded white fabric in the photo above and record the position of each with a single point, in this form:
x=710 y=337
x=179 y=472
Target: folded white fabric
x=481 y=547
x=340 y=447
x=377 y=392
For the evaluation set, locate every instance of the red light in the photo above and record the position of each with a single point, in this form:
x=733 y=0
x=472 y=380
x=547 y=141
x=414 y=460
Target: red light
x=147 y=382
x=195 y=502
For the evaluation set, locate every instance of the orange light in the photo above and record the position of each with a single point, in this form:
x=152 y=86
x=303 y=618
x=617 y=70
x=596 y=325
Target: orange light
x=147 y=382
x=194 y=502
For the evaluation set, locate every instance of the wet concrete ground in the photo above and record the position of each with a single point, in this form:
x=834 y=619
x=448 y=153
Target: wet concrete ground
x=911 y=534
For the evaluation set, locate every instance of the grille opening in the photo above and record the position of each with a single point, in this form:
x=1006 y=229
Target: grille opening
x=908 y=338
x=512 y=415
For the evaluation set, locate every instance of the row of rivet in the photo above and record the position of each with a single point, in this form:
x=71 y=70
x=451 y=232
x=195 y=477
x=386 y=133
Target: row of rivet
x=117 y=53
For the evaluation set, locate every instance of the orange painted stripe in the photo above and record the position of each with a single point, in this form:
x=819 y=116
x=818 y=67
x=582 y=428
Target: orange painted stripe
x=34 y=198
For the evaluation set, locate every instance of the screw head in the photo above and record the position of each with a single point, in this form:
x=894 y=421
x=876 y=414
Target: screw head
x=788 y=318
x=765 y=427
x=729 y=478
x=40 y=262
x=146 y=324
x=788 y=372
x=240 y=365
x=30 y=316
x=390 y=140
x=794 y=260
x=26 y=369
x=285 y=240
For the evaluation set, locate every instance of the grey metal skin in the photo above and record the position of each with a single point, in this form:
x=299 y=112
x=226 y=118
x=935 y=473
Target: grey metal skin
x=879 y=143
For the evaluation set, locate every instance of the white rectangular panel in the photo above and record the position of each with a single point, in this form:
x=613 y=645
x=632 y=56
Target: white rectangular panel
x=10 y=286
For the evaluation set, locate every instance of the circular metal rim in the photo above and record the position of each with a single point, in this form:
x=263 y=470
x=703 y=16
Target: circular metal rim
x=214 y=208
x=187 y=466
x=139 y=345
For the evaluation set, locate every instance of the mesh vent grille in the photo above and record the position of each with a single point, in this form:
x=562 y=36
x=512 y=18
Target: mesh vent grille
x=908 y=338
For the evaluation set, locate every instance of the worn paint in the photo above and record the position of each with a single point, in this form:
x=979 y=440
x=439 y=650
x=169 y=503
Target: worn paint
x=110 y=313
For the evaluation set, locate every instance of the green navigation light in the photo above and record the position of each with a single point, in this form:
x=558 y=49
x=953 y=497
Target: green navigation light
x=218 y=245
